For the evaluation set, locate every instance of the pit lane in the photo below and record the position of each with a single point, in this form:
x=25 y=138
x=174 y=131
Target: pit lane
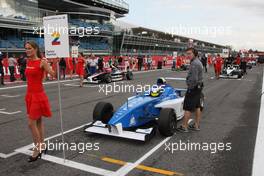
x=231 y=115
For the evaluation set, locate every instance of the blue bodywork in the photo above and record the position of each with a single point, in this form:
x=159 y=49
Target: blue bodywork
x=140 y=109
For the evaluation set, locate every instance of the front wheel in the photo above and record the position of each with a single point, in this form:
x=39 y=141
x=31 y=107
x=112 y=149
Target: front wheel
x=103 y=112
x=167 y=122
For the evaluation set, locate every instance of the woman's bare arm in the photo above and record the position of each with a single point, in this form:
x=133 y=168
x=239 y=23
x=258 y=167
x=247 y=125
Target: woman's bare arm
x=47 y=68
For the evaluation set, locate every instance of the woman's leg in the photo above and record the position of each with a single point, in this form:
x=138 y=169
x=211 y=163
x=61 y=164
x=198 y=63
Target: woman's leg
x=81 y=80
x=40 y=127
x=35 y=135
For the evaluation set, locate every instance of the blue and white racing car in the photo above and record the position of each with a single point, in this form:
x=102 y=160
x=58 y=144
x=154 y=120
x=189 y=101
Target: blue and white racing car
x=138 y=118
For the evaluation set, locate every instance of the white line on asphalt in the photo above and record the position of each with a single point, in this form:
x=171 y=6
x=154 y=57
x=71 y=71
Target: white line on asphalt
x=2 y=155
x=27 y=147
x=72 y=164
x=257 y=169
x=130 y=166
x=46 y=83
x=10 y=96
x=77 y=85
x=2 y=111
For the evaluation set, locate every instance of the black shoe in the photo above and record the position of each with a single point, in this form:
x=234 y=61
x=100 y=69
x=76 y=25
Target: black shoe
x=182 y=129
x=45 y=151
x=194 y=128
x=32 y=159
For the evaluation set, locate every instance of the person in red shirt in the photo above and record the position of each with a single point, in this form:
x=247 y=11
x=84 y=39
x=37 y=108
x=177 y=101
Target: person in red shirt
x=80 y=67
x=70 y=66
x=37 y=103
x=218 y=65
x=238 y=60
x=179 y=62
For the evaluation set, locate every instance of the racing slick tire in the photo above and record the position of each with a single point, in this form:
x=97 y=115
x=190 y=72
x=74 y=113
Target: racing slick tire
x=107 y=78
x=167 y=122
x=129 y=75
x=103 y=112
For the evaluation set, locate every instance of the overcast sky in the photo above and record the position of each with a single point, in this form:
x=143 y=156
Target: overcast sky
x=239 y=23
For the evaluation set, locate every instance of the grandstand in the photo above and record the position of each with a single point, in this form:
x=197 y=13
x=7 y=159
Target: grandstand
x=18 y=18
x=143 y=41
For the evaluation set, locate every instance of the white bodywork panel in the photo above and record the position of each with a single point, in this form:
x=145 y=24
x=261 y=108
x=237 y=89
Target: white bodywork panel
x=117 y=131
x=176 y=104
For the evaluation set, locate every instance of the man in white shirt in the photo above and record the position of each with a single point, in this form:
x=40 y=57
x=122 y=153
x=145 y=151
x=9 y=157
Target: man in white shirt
x=11 y=65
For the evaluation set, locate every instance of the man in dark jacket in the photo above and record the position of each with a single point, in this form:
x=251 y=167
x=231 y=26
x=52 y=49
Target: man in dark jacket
x=1 y=69
x=204 y=62
x=22 y=63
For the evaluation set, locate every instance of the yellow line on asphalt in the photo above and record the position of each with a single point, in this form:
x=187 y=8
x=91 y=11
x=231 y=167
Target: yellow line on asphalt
x=142 y=167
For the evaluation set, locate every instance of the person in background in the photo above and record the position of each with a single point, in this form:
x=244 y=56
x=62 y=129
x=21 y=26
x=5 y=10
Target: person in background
x=62 y=65
x=204 y=62
x=22 y=63
x=80 y=67
x=127 y=66
x=238 y=60
x=219 y=63
x=93 y=63
x=110 y=62
x=149 y=62
x=12 y=65
x=116 y=63
x=243 y=65
x=140 y=62
x=1 y=69
x=100 y=64
x=70 y=65
x=178 y=62
x=145 y=62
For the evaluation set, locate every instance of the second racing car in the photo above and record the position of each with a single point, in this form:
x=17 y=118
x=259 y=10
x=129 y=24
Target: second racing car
x=232 y=72
x=109 y=75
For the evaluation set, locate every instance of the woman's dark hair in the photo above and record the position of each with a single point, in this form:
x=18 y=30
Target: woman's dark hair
x=81 y=54
x=35 y=46
x=194 y=51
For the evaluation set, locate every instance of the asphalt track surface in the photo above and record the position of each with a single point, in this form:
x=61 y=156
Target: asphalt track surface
x=231 y=116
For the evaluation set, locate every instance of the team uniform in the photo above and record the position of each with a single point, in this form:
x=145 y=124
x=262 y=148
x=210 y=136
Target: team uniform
x=37 y=102
x=218 y=65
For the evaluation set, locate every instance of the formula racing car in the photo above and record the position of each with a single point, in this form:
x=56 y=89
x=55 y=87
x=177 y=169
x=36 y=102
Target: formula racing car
x=139 y=117
x=109 y=75
x=232 y=72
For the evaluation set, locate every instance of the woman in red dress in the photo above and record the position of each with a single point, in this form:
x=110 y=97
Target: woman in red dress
x=80 y=68
x=70 y=66
x=37 y=102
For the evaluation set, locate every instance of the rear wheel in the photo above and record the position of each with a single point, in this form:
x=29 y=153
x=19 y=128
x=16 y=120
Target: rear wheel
x=129 y=75
x=167 y=122
x=103 y=112
x=108 y=78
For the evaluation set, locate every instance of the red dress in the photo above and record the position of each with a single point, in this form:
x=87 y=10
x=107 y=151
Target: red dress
x=36 y=99
x=70 y=63
x=80 y=66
